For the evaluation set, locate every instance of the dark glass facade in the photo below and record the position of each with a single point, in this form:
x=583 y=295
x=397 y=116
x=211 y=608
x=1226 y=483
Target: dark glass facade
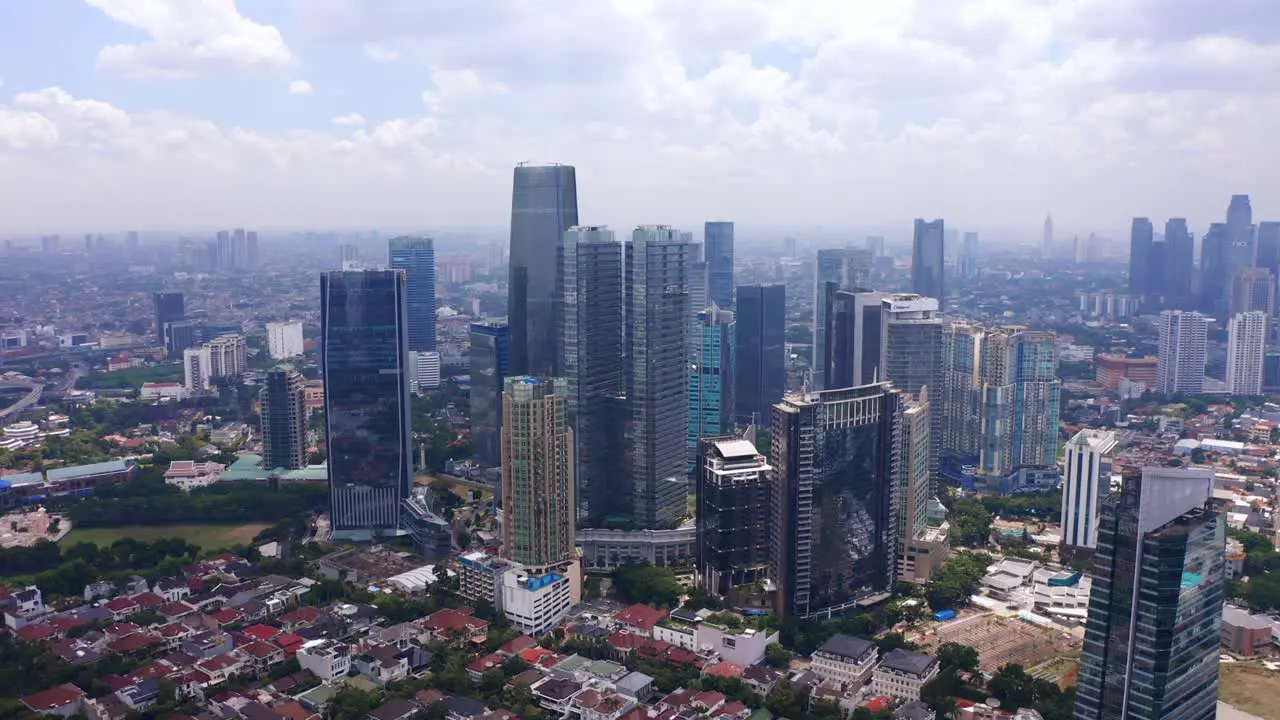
x=732 y=485
x=928 y=261
x=718 y=238
x=835 y=269
x=169 y=308
x=366 y=398
x=1178 y=270
x=1141 y=250
x=544 y=203
x=760 y=354
x=853 y=332
x=490 y=357
x=835 y=464
x=284 y=419
x=416 y=256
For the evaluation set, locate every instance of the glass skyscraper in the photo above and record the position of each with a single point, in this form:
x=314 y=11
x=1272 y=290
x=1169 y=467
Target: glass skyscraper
x=416 y=256
x=711 y=378
x=490 y=356
x=836 y=270
x=854 y=338
x=169 y=309
x=928 y=261
x=718 y=242
x=760 y=355
x=1151 y=642
x=733 y=496
x=544 y=203
x=366 y=399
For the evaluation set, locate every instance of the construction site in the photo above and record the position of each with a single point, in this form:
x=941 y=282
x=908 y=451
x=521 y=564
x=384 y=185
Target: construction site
x=1002 y=640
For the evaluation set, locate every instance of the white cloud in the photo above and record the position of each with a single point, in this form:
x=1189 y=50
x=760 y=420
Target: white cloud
x=380 y=53
x=458 y=86
x=349 y=120
x=189 y=37
x=300 y=87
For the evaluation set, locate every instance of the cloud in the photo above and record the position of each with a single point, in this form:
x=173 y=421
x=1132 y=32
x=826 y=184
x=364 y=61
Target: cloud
x=300 y=87
x=190 y=37
x=457 y=86
x=349 y=120
x=380 y=53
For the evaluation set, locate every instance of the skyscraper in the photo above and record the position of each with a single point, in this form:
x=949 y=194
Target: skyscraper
x=537 y=473
x=854 y=337
x=1182 y=345
x=732 y=488
x=284 y=419
x=718 y=239
x=1019 y=402
x=1215 y=278
x=169 y=308
x=1252 y=288
x=760 y=357
x=928 y=261
x=592 y=355
x=366 y=399
x=1046 y=243
x=711 y=378
x=1268 y=252
x=957 y=400
x=1177 y=275
x=1155 y=611
x=835 y=269
x=969 y=256
x=921 y=548
x=655 y=332
x=416 y=256
x=836 y=464
x=490 y=355
x=1088 y=480
x=1239 y=213
x=544 y=203
x=1246 y=349
x=911 y=352
x=1141 y=239
x=251 y=250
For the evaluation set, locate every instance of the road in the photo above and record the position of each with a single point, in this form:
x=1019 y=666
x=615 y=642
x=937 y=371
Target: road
x=35 y=389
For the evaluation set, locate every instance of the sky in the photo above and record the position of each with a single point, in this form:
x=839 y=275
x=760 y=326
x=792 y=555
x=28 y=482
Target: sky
x=177 y=114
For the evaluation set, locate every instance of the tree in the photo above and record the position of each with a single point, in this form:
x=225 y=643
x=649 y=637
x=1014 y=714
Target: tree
x=961 y=658
x=1012 y=686
x=777 y=656
x=352 y=704
x=647 y=584
x=782 y=701
x=940 y=692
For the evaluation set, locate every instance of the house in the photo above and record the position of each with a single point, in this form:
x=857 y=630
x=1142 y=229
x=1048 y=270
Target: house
x=555 y=694
x=383 y=664
x=259 y=656
x=172 y=589
x=64 y=701
x=455 y=708
x=517 y=645
x=175 y=610
x=100 y=589
x=1245 y=634
x=174 y=634
x=914 y=710
x=454 y=626
x=640 y=619
x=326 y=659
x=133 y=644
x=636 y=685
x=265 y=633
x=761 y=679
x=148 y=600
x=298 y=618
x=901 y=674
x=207 y=644
x=593 y=704
x=477 y=668
x=845 y=660
x=25 y=606
x=140 y=696
x=122 y=607
x=220 y=668
x=397 y=709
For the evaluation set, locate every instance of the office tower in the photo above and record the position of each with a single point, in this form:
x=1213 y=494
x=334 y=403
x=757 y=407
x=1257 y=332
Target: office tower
x=197 y=376
x=490 y=353
x=1178 y=273
x=1246 y=349
x=169 y=308
x=347 y=253
x=1184 y=337
x=1239 y=213
x=251 y=250
x=698 y=298
x=1088 y=459
x=711 y=378
x=956 y=401
x=284 y=419
x=1268 y=247
x=833 y=272
x=1141 y=239
x=1151 y=643
x=1214 y=279
x=424 y=371
x=544 y=203
x=1252 y=288
x=591 y=346
x=718 y=237
x=49 y=244
x=1046 y=243
x=835 y=467
x=928 y=259
x=760 y=352
x=875 y=244
x=179 y=336
x=656 y=310
x=239 y=249
x=228 y=356
x=733 y=500
x=366 y=399
x=284 y=339
x=416 y=256
x=969 y=256
x=858 y=262
x=537 y=473
x=854 y=337
x=88 y=242
x=1019 y=402
x=910 y=342
x=223 y=256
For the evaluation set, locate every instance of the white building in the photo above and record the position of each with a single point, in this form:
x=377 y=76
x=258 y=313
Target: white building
x=1061 y=593
x=537 y=602
x=326 y=659
x=162 y=391
x=845 y=660
x=228 y=356
x=189 y=475
x=1246 y=348
x=424 y=371
x=284 y=339
x=901 y=674
x=1086 y=481
x=1184 y=337
x=197 y=373
x=741 y=646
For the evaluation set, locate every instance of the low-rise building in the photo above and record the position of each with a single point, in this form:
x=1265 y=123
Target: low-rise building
x=901 y=674
x=846 y=660
x=64 y=700
x=326 y=659
x=162 y=391
x=1061 y=593
x=1245 y=634
x=480 y=577
x=189 y=475
x=536 y=603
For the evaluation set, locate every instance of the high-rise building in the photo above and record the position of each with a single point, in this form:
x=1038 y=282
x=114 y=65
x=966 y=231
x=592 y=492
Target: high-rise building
x=197 y=375
x=284 y=340
x=875 y=243
x=655 y=332
x=1184 y=337
x=969 y=256
x=424 y=371
x=854 y=337
x=1018 y=403
x=416 y=256
x=1246 y=350
x=760 y=356
x=538 y=516
x=366 y=399
x=1268 y=247
x=284 y=419
x=711 y=378
x=1141 y=240
x=957 y=400
x=1155 y=611
x=228 y=356
x=928 y=261
x=835 y=269
x=169 y=308
x=1239 y=213
x=1088 y=479
x=911 y=352
x=733 y=501
x=1252 y=288
x=1046 y=243
x=922 y=548
x=180 y=335
x=544 y=203
x=718 y=237
x=836 y=467
x=490 y=354
x=1178 y=274
x=251 y=250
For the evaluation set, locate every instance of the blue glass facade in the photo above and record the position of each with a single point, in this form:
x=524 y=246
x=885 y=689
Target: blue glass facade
x=417 y=258
x=928 y=260
x=718 y=244
x=544 y=204
x=490 y=362
x=760 y=355
x=711 y=378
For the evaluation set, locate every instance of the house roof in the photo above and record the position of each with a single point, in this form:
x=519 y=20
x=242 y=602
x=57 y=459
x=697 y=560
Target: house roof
x=726 y=670
x=120 y=604
x=847 y=646
x=261 y=632
x=517 y=644
x=452 y=620
x=53 y=698
x=488 y=662
x=393 y=709
x=132 y=643
x=259 y=649
x=641 y=616
x=906 y=661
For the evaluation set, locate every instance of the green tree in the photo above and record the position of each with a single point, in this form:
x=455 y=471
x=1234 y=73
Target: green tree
x=777 y=656
x=647 y=584
x=961 y=658
x=782 y=701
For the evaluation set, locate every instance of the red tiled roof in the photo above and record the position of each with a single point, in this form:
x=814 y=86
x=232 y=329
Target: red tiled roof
x=122 y=629
x=176 y=609
x=122 y=604
x=148 y=600
x=306 y=614
x=641 y=616
x=53 y=698
x=726 y=670
x=452 y=620
x=488 y=662
x=262 y=632
x=150 y=672
x=35 y=633
x=290 y=642
x=131 y=643
x=173 y=630
x=226 y=617
x=260 y=649
x=216 y=663
x=879 y=703
x=523 y=642
x=63 y=623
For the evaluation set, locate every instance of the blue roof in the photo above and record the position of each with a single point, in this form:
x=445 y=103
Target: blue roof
x=24 y=479
x=79 y=471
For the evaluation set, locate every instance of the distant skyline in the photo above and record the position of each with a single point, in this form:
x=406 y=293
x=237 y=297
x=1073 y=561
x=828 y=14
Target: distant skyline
x=405 y=114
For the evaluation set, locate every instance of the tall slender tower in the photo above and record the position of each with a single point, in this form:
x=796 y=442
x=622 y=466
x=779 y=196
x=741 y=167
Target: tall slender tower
x=544 y=203
x=1141 y=241
x=169 y=309
x=1019 y=402
x=1246 y=349
x=760 y=357
x=537 y=473
x=733 y=493
x=1179 y=264
x=928 y=260
x=957 y=400
x=1088 y=480
x=490 y=358
x=1046 y=244
x=284 y=419
x=1184 y=337
x=718 y=241
x=416 y=256
x=711 y=378
x=854 y=338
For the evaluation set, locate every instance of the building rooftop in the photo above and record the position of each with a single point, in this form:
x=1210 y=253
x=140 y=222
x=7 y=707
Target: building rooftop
x=905 y=661
x=846 y=646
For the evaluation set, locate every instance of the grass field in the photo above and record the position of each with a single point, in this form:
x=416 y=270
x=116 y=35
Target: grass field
x=209 y=537
x=1250 y=688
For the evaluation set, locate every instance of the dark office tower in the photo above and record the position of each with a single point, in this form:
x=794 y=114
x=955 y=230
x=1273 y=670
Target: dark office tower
x=854 y=330
x=760 y=352
x=592 y=363
x=1215 y=281
x=1178 y=271
x=416 y=256
x=1141 y=239
x=718 y=239
x=928 y=259
x=251 y=250
x=835 y=467
x=732 y=488
x=180 y=335
x=711 y=378
x=1239 y=213
x=169 y=308
x=284 y=419
x=544 y=203
x=490 y=352
x=1155 y=611
x=239 y=249
x=88 y=242
x=656 y=312
x=366 y=399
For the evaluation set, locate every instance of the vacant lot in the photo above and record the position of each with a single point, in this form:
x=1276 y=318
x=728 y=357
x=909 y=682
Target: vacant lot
x=209 y=537
x=1250 y=688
